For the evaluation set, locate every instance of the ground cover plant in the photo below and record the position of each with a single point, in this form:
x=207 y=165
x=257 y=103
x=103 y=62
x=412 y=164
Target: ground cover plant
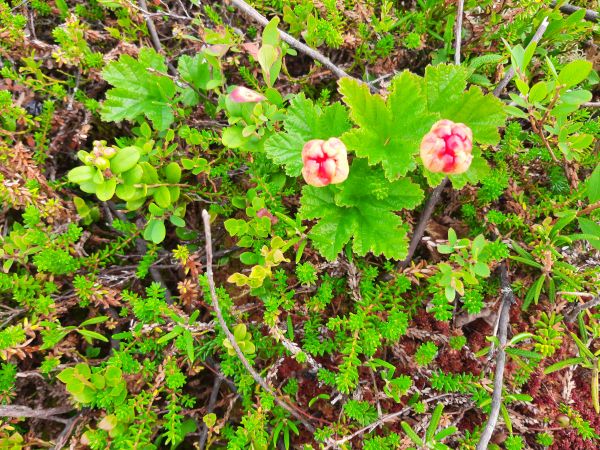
x=299 y=224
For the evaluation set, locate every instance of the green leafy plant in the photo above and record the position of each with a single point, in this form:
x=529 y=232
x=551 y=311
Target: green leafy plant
x=143 y=87
x=586 y=359
x=550 y=103
x=549 y=334
x=243 y=339
x=547 y=259
x=362 y=207
x=426 y=353
x=432 y=438
x=84 y=385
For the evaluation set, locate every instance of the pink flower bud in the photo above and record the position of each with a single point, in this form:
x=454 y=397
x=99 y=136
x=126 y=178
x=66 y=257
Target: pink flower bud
x=241 y=94
x=325 y=162
x=447 y=147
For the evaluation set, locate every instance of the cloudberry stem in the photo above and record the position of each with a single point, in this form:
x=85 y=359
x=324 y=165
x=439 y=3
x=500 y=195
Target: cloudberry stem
x=433 y=200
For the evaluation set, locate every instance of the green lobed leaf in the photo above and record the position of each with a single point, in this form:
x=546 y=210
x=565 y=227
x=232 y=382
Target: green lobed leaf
x=484 y=114
x=445 y=84
x=368 y=185
x=304 y=121
x=372 y=227
x=387 y=134
x=137 y=91
x=390 y=132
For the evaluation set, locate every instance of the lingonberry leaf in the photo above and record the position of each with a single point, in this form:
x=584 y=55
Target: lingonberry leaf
x=304 y=121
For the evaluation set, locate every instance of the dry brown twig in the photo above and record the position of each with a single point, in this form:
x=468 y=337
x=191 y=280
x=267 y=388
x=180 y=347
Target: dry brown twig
x=508 y=299
x=571 y=316
x=292 y=41
x=215 y=300
x=590 y=15
x=20 y=411
x=539 y=33
x=211 y=406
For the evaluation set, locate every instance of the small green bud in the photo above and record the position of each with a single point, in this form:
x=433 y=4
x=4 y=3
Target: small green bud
x=109 y=152
x=101 y=163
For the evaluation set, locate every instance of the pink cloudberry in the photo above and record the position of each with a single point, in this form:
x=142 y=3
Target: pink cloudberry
x=447 y=147
x=325 y=162
x=241 y=94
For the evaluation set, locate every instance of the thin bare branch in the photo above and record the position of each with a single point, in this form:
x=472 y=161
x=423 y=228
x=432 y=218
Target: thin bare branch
x=215 y=300
x=151 y=27
x=508 y=299
x=590 y=15
x=211 y=406
x=572 y=315
x=19 y=411
x=433 y=200
x=458 y=31
x=63 y=437
x=157 y=14
x=591 y=105
x=295 y=43
x=511 y=72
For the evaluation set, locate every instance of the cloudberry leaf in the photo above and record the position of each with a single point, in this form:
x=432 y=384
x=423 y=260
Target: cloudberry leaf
x=482 y=113
x=137 y=91
x=368 y=185
x=304 y=121
x=345 y=213
x=388 y=133
x=445 y=86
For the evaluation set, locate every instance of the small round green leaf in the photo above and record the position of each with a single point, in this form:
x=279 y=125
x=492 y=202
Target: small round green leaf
x=81 y=174
x=106 y=190
x=125 y=159
x=177 y=221
x=162 y=196
x=155 y=231
x=574 y=72
x=173 y=173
